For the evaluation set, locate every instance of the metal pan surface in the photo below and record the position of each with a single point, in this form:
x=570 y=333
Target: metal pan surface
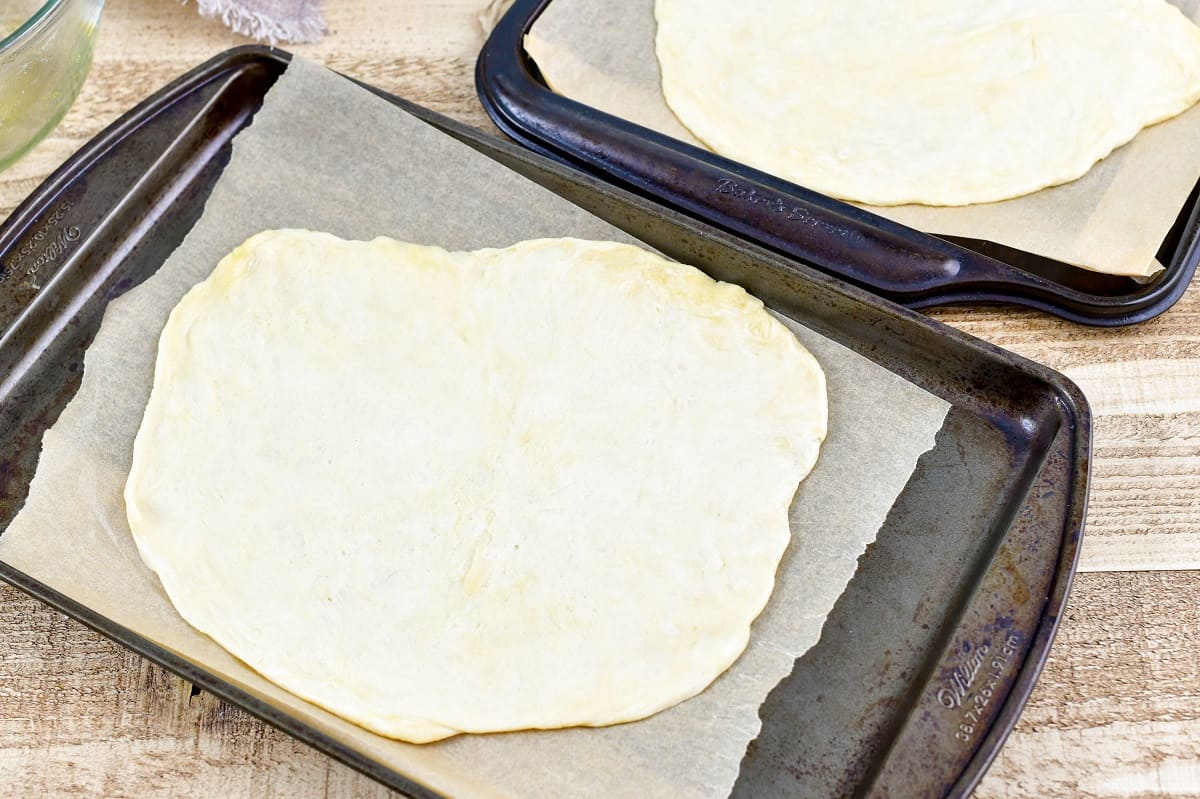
x=904 y=265
x=929 y=656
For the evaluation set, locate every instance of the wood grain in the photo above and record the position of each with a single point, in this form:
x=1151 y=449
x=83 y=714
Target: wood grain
x=1116 y=714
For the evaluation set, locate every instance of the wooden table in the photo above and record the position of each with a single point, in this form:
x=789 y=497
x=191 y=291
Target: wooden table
x=1117 y=711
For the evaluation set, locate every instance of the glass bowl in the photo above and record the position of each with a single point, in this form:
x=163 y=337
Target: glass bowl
x=45 y=53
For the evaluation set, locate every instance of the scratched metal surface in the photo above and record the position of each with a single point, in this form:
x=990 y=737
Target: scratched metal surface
x=927 y=658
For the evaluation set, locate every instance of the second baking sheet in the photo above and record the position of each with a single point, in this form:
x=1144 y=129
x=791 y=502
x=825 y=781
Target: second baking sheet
x=1112 y=220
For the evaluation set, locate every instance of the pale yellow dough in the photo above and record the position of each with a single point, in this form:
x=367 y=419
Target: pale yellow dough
x=441 y=492
x=938 y=102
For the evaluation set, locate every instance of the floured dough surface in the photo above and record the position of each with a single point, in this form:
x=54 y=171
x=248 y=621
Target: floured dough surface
x=942 y=102
x=445 y=492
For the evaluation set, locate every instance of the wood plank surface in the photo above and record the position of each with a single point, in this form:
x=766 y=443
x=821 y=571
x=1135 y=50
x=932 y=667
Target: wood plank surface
x=1116 y=714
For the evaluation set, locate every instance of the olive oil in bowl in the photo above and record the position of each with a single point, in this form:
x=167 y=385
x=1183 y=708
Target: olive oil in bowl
x=45 y=55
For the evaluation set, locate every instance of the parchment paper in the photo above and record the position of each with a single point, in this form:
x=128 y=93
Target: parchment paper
x=325 y=154
x=1113 y=219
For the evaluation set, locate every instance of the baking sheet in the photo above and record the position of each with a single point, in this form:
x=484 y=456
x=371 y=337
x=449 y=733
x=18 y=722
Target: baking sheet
x=1113 y=219
x=325 y=154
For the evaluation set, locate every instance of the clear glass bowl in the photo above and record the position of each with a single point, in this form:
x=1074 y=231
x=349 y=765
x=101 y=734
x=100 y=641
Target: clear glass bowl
x=45 y=54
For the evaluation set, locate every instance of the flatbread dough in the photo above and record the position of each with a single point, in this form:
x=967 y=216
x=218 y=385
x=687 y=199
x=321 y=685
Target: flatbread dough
x=945 y=102
x=436 y=492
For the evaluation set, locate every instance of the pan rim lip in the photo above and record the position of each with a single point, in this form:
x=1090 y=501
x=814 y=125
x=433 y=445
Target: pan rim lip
x=1072 y=403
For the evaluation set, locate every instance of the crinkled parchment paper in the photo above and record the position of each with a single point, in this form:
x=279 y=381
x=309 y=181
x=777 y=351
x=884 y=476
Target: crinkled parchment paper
x=1113 y=219
x=325 y=154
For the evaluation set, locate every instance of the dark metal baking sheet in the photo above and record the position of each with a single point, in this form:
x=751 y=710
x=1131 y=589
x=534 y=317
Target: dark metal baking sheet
x=913 y=268
x=927 y=658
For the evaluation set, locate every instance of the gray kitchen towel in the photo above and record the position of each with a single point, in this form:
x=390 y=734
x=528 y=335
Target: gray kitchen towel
x=273 y=21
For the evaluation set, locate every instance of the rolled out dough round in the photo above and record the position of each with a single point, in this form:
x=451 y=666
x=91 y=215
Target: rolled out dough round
x=941 y=102
x=441 y=492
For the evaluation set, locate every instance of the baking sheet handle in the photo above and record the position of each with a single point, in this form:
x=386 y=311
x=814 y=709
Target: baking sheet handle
x=834 y=236
x=904 y=265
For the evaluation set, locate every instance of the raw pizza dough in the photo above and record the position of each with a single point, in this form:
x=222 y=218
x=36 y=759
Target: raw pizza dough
x=942 y=102
x=442 y=492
